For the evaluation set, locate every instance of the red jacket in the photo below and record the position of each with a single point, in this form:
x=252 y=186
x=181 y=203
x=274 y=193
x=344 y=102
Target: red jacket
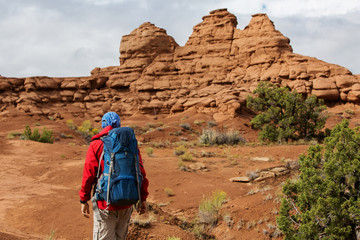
x=91 y=168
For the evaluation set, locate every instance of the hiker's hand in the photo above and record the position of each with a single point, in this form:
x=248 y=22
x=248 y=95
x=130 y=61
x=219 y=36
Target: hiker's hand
x=143 y=207
x=85 y=210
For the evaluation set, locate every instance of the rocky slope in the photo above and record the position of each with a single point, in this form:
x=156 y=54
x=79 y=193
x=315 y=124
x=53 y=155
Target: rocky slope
x=213 y=73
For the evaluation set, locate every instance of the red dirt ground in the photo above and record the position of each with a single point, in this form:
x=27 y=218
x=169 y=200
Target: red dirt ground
x=40 y=182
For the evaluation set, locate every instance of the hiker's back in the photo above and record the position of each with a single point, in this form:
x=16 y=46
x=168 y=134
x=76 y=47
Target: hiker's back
x=120 y=181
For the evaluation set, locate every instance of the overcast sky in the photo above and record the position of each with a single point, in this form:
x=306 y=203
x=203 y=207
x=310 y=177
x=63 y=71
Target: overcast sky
x=68 y=38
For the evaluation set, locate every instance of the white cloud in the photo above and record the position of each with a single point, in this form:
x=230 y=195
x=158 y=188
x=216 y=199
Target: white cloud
x=312 y=8
x=71 y=37
x=103 y=2
x=285 y=8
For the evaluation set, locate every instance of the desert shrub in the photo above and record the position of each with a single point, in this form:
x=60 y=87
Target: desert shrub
x=169 y=192
x=350 y=111
x=180 y=150
x=284 y=115
x=45 y=137
x=182 y=165
x=140 y=221
x=214 y=137
x=211 y=124
x=186 y=157
x=12 y=135
x=185 y=126
x=86 y=129
x=70 y=124
x=209 y=209
x=149 y=151
x=173 y=238
x=199 y=122
x=323 y=203
x=252 y=175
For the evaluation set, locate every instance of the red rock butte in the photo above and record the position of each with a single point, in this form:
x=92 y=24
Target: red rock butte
x=214 y=72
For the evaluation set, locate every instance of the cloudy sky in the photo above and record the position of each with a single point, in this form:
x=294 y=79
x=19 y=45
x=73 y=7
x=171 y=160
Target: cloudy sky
x=68 y=38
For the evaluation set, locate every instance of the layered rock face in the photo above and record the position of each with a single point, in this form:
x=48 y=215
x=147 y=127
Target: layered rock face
x=213 y=73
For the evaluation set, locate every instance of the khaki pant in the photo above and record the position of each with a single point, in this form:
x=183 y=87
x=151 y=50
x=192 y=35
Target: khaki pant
x=113 y=224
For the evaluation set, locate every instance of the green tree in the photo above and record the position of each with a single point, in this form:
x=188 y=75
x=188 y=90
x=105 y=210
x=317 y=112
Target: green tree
x=323 y=203
x=283 y=114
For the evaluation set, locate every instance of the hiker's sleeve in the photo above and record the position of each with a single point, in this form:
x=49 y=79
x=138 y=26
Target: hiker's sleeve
x=89 y=173
x=145 y=181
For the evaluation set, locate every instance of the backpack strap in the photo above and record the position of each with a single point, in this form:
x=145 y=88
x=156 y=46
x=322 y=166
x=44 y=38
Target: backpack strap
x=136 y=156
x=101 y=157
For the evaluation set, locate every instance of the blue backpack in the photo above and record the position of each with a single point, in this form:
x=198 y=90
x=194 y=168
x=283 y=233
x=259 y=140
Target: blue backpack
x=120 y=182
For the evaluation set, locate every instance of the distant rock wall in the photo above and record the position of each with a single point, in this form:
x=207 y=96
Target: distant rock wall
x=214 y=72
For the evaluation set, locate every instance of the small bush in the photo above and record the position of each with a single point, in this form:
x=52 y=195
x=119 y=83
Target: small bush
x=149 y=151
x=211 y=124
x=70 y=124
x=180 y=150
x=252 y=175
x=12 y=135
x=45 y=137
x=350 y=111
x=229 y=221
x=210 y=207
x=185 y=126
x=240 y=224
x=200 y=231
x=169 y=192
x=86 y=130
x=213 y=137
x=143 y=222
x=186 y=157
x=182 y=165
x=199 y=122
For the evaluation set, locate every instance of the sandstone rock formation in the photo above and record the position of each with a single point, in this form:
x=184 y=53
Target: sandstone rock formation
x=213 y=73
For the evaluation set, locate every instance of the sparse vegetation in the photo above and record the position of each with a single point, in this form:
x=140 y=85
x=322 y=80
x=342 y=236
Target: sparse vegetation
x=13 y=135
x=186 y=157
x=268 y=197
x=350 y=111
x=324 y=201
x=86 y=129
x=228 y=220
x=240 y=224
x=45 y=137
x=52 y=235
x=185 y=126
x=149 y=151
x=140 y=221
x=169 y=192
x=180 y=150
x=211 y=124
x=199 y=122
x=209 y=209
x=182 y=165
x=173 y=238
x=214 y=137
x=283 y=115
x=251 y=224
x=252 y=175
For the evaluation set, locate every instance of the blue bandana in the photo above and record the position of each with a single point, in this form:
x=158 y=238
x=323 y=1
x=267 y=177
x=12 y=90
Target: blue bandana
x=110 y=119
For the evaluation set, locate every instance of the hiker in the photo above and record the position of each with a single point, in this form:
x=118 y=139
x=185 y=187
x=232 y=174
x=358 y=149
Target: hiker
x=110 y=220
